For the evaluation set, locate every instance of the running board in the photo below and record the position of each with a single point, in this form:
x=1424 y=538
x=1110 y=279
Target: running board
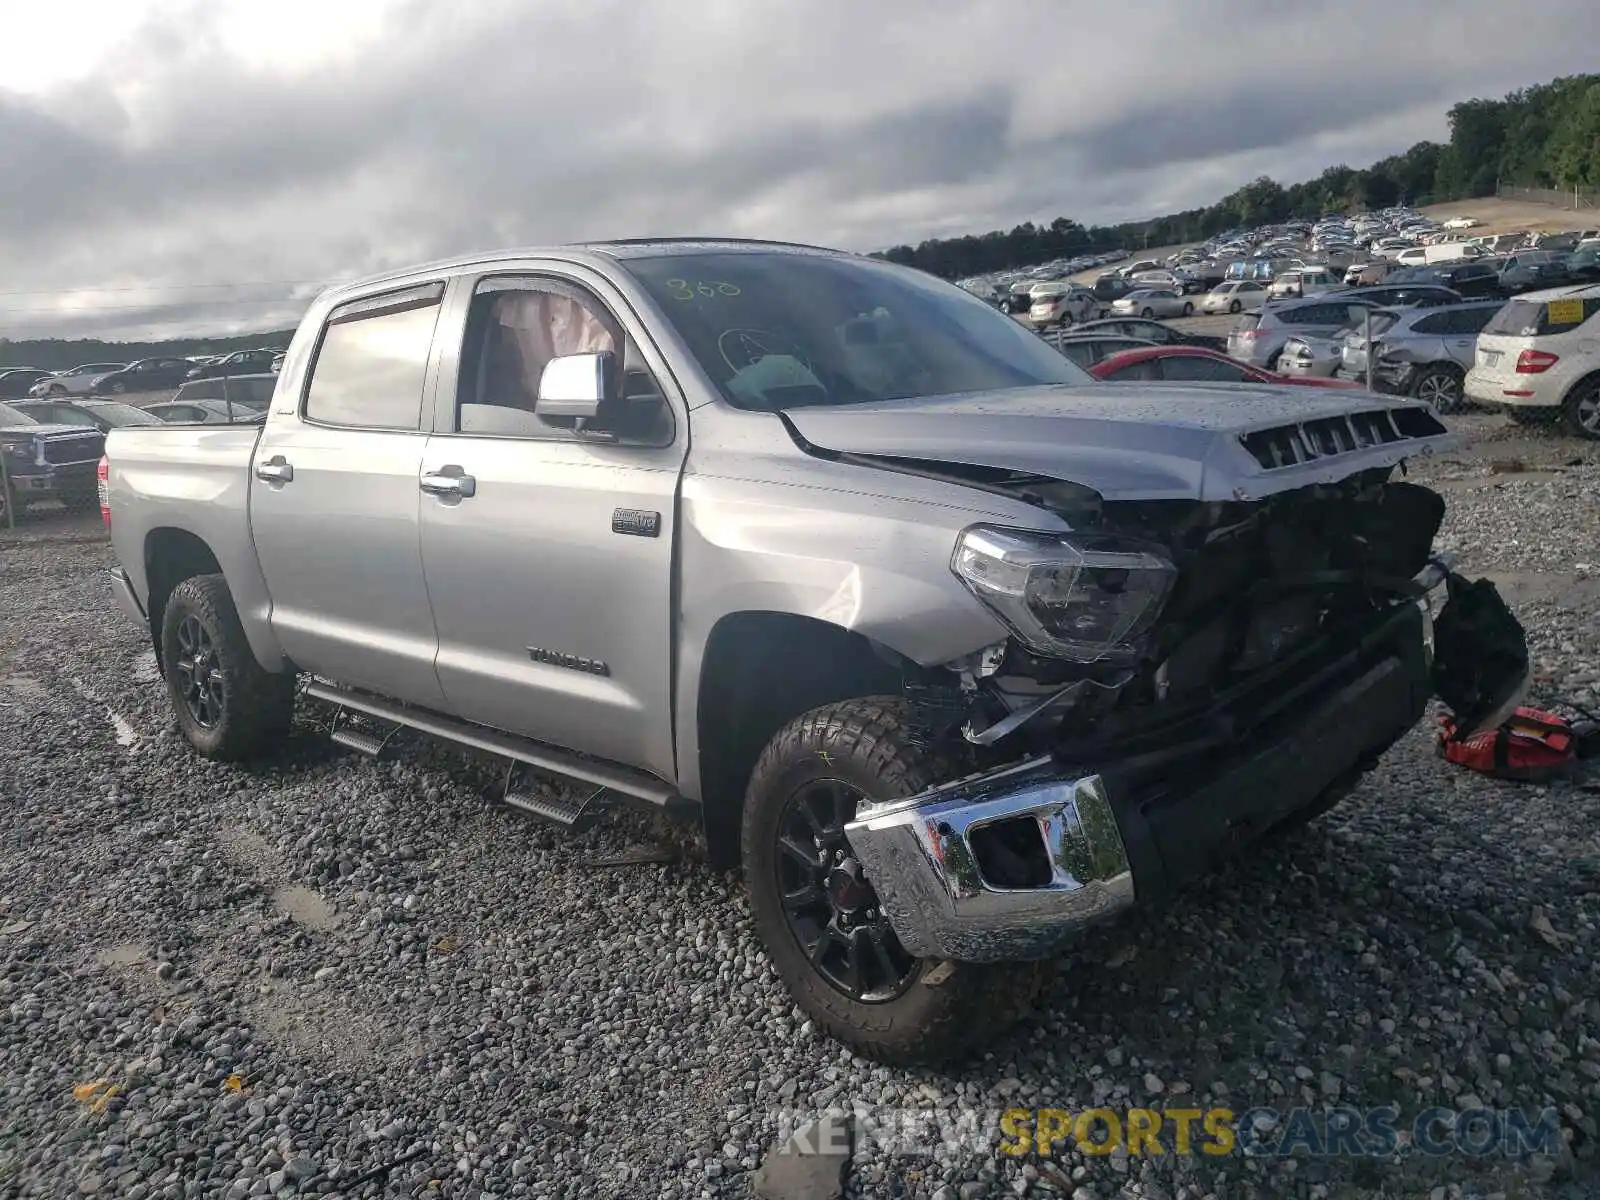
x=552 y=760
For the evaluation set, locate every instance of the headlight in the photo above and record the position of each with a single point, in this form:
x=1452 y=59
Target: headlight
x=1082 y=598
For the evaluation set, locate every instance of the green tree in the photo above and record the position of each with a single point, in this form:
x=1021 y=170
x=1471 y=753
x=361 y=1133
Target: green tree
x=1574 y=153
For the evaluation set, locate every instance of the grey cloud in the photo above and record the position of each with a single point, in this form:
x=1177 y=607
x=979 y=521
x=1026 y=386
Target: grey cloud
x=451 y=129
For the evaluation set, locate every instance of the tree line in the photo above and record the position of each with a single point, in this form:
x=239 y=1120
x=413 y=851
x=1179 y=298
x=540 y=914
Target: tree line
x=57 y=354
x=1545 y=136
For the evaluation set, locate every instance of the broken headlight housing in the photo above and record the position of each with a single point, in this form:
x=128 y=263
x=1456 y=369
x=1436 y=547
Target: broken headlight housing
x=1082 y=598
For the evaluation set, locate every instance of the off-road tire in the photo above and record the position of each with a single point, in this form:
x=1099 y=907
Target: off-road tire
x=1586 y=393
x=948 y=1009
x=257 y=706
x=1441 y=375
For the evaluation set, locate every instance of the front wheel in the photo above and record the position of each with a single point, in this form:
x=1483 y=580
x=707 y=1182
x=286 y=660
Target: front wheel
x=1440 y=387
x=1148 y=314
x=816 y=913
x=118 y=388
x=227 y=706
x=1235 y=307
x=1188 y=309
x=55 y=389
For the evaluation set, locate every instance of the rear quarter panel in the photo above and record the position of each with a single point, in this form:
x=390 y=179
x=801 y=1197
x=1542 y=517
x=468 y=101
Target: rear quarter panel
x=195 y=479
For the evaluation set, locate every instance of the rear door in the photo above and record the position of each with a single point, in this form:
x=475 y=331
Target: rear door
x=334 y=500
x=548 y=551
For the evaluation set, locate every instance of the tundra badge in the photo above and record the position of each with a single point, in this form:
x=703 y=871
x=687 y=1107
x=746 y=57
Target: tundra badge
x=636 y=522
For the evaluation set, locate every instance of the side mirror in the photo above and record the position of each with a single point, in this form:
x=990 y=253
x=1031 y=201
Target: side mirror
x=577 y=387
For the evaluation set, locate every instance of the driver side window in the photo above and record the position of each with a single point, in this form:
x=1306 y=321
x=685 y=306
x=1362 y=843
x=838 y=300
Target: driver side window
x=515 y=327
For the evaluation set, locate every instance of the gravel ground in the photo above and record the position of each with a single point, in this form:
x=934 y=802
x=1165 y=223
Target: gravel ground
x=230 y=983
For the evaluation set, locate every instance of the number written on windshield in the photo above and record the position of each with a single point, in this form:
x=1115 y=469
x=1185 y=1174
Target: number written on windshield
x=699 y=289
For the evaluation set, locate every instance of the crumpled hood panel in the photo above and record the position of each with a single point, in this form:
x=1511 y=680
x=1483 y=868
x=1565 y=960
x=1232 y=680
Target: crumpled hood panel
x=1168 y=442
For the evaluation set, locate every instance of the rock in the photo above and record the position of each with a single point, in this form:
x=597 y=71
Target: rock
x=810 y=1165
x=165 y=971
x=1153 y=1084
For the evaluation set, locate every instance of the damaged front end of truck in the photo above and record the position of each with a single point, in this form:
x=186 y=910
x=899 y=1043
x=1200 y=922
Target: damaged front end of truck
x=1181 y=676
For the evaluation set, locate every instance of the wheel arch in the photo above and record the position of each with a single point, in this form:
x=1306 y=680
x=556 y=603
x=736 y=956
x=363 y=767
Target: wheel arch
x=740 y=706
x=1590 y=379
x=170 y=554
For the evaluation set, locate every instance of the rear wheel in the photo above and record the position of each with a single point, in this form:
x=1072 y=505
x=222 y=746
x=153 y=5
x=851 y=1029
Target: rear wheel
x=227 y=706
x=1440 y=386
x=1581 y=410
x=816 y=912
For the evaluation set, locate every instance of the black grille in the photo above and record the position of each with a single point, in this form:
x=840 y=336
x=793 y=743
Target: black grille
x=74 y=449
x=1325 y=437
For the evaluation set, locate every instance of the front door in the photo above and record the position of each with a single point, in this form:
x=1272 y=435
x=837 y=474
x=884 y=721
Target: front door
x=334 y=503
x=549 y=552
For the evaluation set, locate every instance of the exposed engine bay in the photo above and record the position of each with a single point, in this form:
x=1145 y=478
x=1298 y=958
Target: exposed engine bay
x=1255 y=582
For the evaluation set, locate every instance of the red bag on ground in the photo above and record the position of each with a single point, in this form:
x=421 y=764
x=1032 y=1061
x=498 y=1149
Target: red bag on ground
x=1533 y=746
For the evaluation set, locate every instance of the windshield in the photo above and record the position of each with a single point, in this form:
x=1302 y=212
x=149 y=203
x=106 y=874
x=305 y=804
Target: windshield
x=10 y=417
x=120 y=415
x=780 y=330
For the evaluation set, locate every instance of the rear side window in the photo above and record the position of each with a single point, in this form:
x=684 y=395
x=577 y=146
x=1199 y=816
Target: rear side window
x=1470 y=320
x=1193 y=367
x=1436 y=323
x=1535 y=318
x=370 y=367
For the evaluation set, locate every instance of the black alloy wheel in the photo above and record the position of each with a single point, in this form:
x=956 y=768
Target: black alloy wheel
x=201 y=683
x=829 y=904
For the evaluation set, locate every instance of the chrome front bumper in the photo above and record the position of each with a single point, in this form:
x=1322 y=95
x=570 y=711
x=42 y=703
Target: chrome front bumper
x=925 y=855
x=919 y=855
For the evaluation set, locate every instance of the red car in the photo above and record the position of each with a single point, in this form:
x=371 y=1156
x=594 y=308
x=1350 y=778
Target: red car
x=1195 y=364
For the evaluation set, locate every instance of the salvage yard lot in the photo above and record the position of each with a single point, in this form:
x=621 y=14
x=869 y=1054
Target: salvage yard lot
x=224 y=982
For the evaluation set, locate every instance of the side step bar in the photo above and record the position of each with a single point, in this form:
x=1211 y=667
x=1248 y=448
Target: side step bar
x=575 y=768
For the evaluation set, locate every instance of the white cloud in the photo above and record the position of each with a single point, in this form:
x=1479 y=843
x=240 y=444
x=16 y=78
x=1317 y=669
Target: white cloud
x=159 y=144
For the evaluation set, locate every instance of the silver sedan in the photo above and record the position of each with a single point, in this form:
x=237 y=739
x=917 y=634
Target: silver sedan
x=1311 y=356
x=1153 y=302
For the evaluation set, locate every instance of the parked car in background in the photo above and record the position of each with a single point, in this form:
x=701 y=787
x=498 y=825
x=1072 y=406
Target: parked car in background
x=1259 y=338
x=277 y=359
x=1235 y=296
x=1365 y=273
x=1110 y=287
x=1427 y=352
x=1086 y=349
x=1307 y=281
x=146 y=375
x=1193 y=364
x=243 y=391
x=1532 y=270
x=1308 y=355
x=1153 y=302
x=1061 y=304
x=1539 y=359
x=17 y=382
x=1400 y=295
x=204 y=412
x=1151 y=331
x=78 y=381
x=103 y=415
x=240 y=362
x=1583 y=265
x=1461 y=223
x=47 y=462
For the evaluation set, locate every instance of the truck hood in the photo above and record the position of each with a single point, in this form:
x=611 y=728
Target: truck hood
x=1184 y=442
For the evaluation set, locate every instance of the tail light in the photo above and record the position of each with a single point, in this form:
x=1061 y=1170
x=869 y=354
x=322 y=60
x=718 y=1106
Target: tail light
x=1536 y=362
x=102 y=478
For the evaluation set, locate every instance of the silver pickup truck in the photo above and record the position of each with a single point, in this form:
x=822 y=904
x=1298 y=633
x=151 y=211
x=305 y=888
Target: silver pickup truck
x=952 y=648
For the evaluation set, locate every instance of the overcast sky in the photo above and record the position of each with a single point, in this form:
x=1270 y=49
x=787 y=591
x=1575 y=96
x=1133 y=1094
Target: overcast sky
x=150 y=146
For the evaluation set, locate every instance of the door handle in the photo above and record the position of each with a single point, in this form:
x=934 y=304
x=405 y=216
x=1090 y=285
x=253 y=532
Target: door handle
x=276 y=469
x=449 y=481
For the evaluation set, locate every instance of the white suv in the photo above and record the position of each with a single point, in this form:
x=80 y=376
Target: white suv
x=1540 y=357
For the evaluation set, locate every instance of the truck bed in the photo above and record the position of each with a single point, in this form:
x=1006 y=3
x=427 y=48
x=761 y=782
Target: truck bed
x=167 y=481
